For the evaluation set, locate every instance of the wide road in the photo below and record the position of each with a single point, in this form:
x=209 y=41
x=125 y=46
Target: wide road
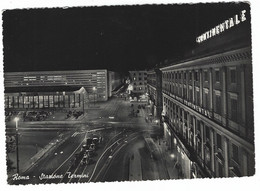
x=122 y=146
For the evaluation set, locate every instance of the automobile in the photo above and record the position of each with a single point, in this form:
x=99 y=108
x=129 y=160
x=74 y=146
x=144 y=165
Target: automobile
x=85 y=159
x=92 y=147
x=95 y=140
x=84 y=147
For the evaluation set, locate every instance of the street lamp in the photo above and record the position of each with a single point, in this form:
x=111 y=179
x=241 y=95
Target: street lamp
x=16 y=119
x=94 y=90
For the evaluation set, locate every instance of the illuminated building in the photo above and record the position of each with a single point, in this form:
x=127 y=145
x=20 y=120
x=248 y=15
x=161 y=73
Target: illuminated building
x=208 y=106
x=95 y=82
x=139 y=81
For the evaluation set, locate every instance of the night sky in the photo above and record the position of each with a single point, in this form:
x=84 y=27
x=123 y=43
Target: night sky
x=118 y=38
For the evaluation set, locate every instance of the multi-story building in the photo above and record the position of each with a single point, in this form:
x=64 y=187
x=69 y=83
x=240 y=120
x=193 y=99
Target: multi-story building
x=115 y=81
x=139 y=81
x=208 y=105
x=95 y=82
x=154 y=90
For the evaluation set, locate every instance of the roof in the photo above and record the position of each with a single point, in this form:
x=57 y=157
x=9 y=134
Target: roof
x=43 y=89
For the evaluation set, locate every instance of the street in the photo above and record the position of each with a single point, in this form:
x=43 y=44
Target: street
x=122 y=153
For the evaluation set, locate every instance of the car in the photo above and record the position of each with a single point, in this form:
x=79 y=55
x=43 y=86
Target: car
x=85 y=159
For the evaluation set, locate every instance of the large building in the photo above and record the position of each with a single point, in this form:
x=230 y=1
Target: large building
x=154 y=90
x=138 y=81
x=115 y=81
x=208 y=103
x=98 y=84
x=24 y=98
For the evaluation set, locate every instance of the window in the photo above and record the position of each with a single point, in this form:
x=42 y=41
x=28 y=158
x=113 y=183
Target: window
x=235 y=153
x=233 y=76
x=219 y=142
x=218 y=104
x=190 y=76
x=207 y=133
x=140 y=78
x=234 y=110
x=184 y=76
x=206 y=79
x=196 y=76
x=217 y=76
x=140 y=83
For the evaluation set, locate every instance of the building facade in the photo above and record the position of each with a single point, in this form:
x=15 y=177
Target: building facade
x=46 y=98
x=208 y=107
x=138 y=81
x=115 y=80
x=154 y=90
x=95 y=82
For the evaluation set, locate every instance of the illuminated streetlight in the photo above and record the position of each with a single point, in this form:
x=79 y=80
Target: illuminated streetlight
x=94 y=90
x=16 y=119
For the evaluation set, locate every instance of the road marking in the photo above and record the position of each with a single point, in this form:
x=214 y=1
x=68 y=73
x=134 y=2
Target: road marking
x=100 y=159
x=70 y=155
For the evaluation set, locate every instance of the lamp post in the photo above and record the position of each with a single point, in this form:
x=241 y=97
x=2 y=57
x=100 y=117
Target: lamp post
x=16 y=119
x=94 y=90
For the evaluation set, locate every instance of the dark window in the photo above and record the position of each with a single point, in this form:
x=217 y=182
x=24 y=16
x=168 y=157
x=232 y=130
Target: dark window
x=235 y=153
x=234 y=110
x=206 y=76
x=134 y=74
x=196 y=76
x=217 y=76
x=140 y=83
x=219 y=143
x=145 y=78
x=190 y=74
x=140 y=78
x=218 y=104
x=233 y=76
x=207 y=132
x=184 y=76
x=206 y=101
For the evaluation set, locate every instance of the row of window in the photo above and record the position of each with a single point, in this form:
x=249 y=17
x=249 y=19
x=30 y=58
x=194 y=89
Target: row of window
x=206 y=142
x=140 y=83
x=46 y=101
x=186 y=76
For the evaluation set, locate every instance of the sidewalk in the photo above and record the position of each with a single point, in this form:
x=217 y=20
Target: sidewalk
x=135 y=167
x=167 y=157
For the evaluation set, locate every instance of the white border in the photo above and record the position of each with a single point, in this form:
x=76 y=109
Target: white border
x=251 y=183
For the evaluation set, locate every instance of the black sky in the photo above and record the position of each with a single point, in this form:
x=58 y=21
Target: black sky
x=118 y=38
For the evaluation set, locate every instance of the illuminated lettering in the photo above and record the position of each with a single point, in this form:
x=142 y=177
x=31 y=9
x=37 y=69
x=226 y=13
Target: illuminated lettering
x=227 y=24
x=237 y=21
x=243 y=16
x=231 y=22
x=222 y=27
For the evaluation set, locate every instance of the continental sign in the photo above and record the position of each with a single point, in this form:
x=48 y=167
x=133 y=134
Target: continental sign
x=227 y=24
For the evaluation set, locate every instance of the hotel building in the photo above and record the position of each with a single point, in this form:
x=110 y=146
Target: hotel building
x=208 y=106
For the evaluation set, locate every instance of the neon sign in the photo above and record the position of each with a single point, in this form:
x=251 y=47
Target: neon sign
x=227 y=24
